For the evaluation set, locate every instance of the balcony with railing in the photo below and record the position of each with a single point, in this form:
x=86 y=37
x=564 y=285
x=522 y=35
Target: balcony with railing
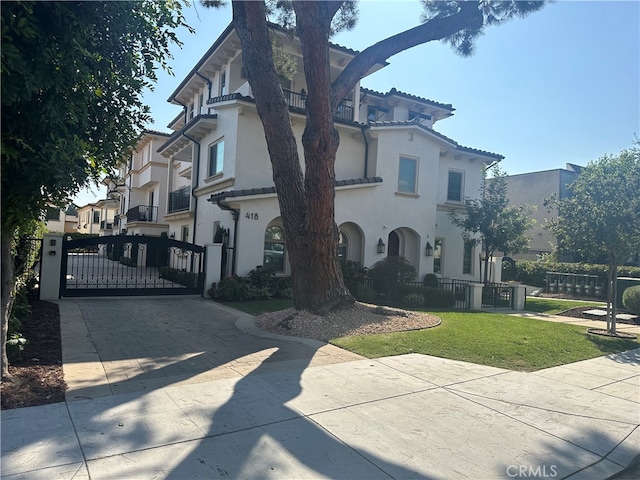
x=106 y=225
x=299 y=101
x=179 y=200
x=143 y=213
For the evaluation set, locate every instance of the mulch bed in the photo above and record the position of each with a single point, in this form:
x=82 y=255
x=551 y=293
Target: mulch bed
x=36 y=372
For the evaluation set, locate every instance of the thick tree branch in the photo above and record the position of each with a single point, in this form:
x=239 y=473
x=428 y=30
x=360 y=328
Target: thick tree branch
x=438 y=28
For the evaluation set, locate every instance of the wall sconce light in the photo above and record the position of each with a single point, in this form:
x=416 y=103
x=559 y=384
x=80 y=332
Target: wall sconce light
x=172 y=236
x=428 y=250
x=381 y=246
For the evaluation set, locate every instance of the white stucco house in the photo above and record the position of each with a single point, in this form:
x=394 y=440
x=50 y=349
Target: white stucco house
x=396 y=176
x=97 y=218
x=140 y=188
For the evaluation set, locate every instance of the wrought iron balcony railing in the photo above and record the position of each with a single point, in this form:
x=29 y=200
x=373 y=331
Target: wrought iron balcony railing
x=143 y=213
x=179 y=200
x=299 y=101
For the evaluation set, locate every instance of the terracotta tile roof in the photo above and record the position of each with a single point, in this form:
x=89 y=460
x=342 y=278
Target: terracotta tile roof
x=247 y=192
x=393 y=92
x=456 y=145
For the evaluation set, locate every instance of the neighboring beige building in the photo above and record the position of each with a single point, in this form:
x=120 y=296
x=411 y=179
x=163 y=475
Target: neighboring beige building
x=141 y=189
x=97 y=218
x=61 y=220
x=532 y=189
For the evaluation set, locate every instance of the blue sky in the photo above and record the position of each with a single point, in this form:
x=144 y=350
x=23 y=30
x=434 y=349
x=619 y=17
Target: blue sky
x=561 y=85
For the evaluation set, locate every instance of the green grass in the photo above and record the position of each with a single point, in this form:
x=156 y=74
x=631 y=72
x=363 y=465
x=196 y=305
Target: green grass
x=553 y=305
x=256 y=307
x=492 y=339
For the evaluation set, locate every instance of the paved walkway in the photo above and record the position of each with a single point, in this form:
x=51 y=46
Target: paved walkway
x=144 y=402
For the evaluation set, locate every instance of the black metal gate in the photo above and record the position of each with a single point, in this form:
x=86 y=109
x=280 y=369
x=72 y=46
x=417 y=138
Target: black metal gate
x=131 y=265
x=497 y=296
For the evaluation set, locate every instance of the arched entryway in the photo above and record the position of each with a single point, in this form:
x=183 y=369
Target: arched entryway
x=404 y=242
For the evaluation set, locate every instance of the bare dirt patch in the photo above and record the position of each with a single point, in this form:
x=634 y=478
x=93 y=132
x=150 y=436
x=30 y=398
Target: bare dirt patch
x=358 y=319
x=36 y=372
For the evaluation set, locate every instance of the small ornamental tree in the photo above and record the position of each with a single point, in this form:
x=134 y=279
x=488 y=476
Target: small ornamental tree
x=601 y=216
x=491 y=221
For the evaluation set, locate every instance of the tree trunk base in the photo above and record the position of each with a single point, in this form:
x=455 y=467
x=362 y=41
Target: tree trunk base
x=605 y=333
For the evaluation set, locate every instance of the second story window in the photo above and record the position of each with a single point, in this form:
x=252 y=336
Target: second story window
x=191 y=110
x=216 y=158
x=407 y=175
x=223 y=83
x=96 y=217
x=52 y=213
x=454 y=188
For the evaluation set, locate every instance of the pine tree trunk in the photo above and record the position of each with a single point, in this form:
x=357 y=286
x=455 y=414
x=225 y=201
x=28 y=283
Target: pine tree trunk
x=8 y=282
x=306 y=202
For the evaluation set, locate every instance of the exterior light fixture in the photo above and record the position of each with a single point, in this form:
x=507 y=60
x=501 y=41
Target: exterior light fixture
x=172 y=236
x=428 y=250
x=381 y=246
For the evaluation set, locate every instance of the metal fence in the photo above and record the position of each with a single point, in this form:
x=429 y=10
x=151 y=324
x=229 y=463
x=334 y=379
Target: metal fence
x=497 y=295
x=447 y=295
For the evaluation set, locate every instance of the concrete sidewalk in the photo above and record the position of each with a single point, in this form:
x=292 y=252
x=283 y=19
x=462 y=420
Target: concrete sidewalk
x=294 y=410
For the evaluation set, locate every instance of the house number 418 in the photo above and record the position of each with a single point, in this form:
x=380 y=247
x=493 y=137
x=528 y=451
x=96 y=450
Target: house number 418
x=251 y=215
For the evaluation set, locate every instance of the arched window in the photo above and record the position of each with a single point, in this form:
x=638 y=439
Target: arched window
x=343 y=246
x=274 y=250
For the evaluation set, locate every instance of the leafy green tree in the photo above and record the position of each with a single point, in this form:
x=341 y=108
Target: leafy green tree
x=601 y=216
x=491 y=221
x=306 y=199
x=73 y=74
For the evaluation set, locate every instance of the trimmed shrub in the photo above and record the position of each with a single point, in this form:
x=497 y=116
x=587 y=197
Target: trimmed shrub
x=232 y=289
x=431 y=280
x=129 y=262
x=352 y=269
x=260 y=284
x=631 y=299
x=535 y=272
x=188 y=279
x=439 y=298
x=413 y=300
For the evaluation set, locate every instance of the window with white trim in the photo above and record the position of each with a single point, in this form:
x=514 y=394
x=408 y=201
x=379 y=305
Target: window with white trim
x=407 y=175
x=274 y=248
x=223 y=82
x=455 y=186
x=216 y=158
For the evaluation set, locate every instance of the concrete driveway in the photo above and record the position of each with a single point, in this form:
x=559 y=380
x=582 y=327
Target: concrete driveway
x=182 y=388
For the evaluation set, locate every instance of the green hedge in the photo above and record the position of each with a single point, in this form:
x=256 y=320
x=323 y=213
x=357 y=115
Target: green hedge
x=188 y=279
x=534 y=273
x=259 y=284
x=631 y=299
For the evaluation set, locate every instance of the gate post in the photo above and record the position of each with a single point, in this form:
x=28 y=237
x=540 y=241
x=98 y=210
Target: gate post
x=520 y=294
x=475 y=296
x=212 y=268
x=51 y=266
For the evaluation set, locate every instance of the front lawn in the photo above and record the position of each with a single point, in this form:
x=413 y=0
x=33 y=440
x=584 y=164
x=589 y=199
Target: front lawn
x=493 y=339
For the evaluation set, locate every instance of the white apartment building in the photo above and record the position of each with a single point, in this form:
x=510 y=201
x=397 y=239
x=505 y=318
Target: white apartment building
x=396 y=177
